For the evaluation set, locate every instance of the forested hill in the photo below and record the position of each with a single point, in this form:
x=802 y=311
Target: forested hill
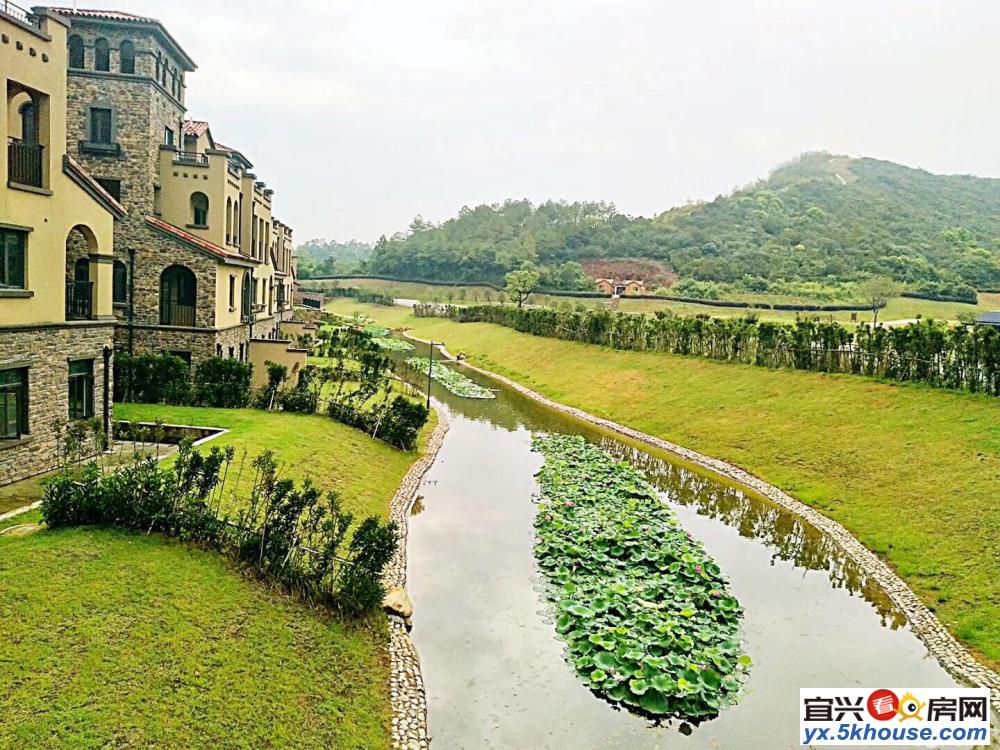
x=820 y=218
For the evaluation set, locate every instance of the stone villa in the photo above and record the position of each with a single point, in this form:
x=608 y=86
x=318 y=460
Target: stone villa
x=124 y=225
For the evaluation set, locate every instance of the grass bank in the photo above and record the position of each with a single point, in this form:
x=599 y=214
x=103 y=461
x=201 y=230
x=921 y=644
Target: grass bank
x=365 y=472
x=899 y=308
x=913 y=472
x=121 y=640
x=116 y=639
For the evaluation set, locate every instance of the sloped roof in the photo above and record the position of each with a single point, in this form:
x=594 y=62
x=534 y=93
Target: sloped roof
x=991 y=318
x=82 y=177
x=195 y=127
x=117 y=16
x=236 y=152
x=198 y=243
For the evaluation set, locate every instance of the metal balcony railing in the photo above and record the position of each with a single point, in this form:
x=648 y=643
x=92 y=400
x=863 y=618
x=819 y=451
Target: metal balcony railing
x=174 y=314
x=16 y=11
x=24 y=162
x=79 y=300
x=200 y=160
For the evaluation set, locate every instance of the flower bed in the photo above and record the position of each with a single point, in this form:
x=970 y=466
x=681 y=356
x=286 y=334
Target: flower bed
x=453 y=381
x=646 y=614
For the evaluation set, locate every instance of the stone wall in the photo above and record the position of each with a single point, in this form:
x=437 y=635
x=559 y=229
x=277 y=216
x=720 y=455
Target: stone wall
x=46 y=352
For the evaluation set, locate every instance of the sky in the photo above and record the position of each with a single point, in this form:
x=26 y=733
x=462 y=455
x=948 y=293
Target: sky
x=364 y=114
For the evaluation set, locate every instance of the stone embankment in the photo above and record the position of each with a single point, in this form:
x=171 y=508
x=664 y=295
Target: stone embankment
x=406 y=685
x=942 y=645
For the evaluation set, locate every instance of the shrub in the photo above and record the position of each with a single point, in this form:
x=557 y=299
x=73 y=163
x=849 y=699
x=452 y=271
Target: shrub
x=222 y=383
x=151 y=378
x=293 y=534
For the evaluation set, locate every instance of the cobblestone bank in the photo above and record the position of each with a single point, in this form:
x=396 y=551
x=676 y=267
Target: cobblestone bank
x=409 y=703
x=942 y=644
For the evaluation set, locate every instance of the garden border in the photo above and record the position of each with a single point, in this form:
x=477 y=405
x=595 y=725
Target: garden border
x=406 y=683
x=948 y=651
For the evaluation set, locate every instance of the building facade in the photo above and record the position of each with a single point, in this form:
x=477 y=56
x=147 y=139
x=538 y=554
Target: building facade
x=619 y=288
x=57 y=276
x=196 y=255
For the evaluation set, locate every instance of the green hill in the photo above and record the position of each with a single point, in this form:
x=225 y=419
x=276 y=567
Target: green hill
x=816 y=224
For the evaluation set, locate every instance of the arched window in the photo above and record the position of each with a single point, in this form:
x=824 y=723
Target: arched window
x=126 y=57
x=178 y=296
x=119 y=283
x=102 y=54
x=247 y=300
x=75 y=45
x=199 y=209
x=229 y=219
x=29 y=122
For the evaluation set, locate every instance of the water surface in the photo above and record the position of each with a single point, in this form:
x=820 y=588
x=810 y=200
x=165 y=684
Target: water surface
x=492 y=663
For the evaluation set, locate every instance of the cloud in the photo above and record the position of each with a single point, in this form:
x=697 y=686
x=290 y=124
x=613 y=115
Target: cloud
x=362 y=115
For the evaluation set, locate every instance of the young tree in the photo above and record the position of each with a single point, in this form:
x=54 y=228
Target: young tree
x=521 y=283
x=877 y=292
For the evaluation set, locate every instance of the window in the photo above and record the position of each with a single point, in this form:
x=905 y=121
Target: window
x=12 y=259
x=241 y=352
x=13 y=403
x=185 y=355
x=159 y=64
x=168 y=136
x=229 y=224
x=126 y=57
x=232 y=292
x=199 y=209
x=81 y=389
x=218 y=350
x=100 y=125
x=177 y=296
x=119 y=283
x=246 y=302
x=29 y=123
x=232 y=352
x=113 y=187
x=102 y=54
x=75 y=46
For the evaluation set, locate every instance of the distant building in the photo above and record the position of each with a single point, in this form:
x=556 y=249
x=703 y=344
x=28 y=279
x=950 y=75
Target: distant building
x=622 y=287
x=309 y=299
x=989 y=319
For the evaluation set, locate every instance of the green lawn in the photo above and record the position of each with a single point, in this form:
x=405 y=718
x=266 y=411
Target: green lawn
x=914 y=472
x=113 y=639
x=365 y=472
x=899 y=308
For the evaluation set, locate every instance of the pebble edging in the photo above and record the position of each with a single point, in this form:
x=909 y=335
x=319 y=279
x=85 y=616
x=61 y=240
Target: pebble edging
x=942 y=645
x=406 y=684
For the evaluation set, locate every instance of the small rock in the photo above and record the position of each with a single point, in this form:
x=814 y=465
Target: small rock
x=397 y=602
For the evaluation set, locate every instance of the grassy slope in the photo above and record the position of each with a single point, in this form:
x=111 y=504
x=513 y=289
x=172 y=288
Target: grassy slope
x=913 y=472
x=899 y=308
x=123 y=640
x=120 y=640
x=365 y=472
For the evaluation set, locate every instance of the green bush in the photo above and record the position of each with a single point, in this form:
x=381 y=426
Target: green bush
x=295 y=535
x=222 y=383
x=151 y=378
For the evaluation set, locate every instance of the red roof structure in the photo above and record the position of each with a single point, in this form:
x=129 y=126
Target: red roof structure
x=200 y=244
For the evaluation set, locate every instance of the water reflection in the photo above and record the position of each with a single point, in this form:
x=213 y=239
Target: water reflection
x=789 y=537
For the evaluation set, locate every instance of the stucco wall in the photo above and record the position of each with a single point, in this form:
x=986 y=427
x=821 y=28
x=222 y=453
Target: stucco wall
x=281 y=353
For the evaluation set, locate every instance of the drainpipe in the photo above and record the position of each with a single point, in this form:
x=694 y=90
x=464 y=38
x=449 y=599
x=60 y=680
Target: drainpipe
x=131 y=301
x=107 y=394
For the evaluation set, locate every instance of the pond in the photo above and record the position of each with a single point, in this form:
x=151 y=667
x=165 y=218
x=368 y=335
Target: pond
x=493 y=666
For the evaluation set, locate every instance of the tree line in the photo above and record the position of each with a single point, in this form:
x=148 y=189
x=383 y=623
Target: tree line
x=958 y=357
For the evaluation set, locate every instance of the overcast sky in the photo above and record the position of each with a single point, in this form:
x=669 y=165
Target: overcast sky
x=363 y=114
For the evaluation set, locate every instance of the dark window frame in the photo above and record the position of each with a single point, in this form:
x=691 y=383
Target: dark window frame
x=13 y=403
x=81 y=389
x=102 y=55
x=101 y=133
x=13 y=259
x=77 y=57
x=119 y=283
x=126 y=57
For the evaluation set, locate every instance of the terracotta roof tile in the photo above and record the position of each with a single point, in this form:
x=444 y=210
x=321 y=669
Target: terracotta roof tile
x=204 y=245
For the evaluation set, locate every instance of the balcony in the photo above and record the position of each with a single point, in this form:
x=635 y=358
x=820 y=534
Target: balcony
x=191 y=159
x=175 y=314
x=24 y=161
x=19 y=13
x=79 y=300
